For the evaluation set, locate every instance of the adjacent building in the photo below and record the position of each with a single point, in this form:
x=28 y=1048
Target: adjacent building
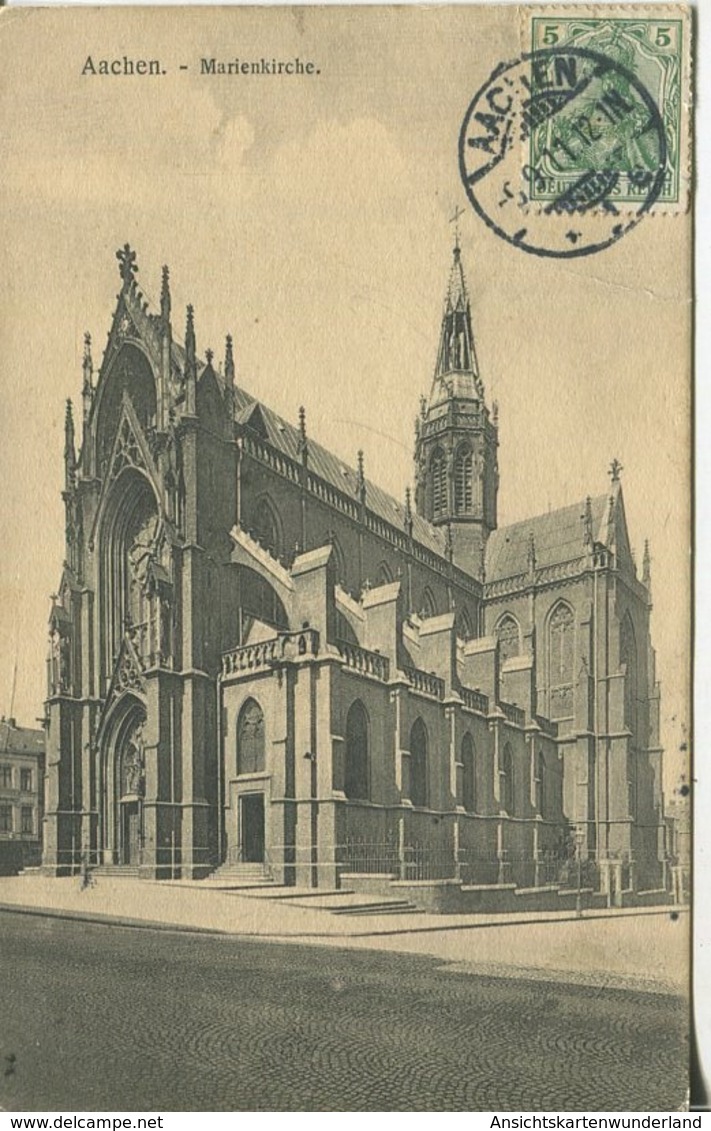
x=21 y=795
x=260 y=658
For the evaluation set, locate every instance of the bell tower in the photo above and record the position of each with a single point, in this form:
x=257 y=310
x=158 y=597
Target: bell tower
x=456 y=438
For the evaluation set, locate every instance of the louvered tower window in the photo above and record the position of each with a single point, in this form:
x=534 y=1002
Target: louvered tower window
x=439 y=484
x=463 y=482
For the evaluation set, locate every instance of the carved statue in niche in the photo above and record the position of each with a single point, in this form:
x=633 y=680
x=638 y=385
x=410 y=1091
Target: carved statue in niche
x=133 y=763
x=61 y=655
x=144 y=551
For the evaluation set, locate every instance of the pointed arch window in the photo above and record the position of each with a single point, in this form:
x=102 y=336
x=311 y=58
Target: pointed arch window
x=628 y=657
x=463 y=491
x=429 y=605
x=507 y=781
x=266 y=527
x=418 y=763
x=385 y=574
x=540 y=783
x=561 y=650
x=468 y=775
x=509 y=637
x=250 y=739
x=357 y=784
x=438 y=473
x=464 y=625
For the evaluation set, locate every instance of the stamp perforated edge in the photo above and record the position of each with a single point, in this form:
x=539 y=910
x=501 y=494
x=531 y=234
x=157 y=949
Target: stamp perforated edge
x=654 y=13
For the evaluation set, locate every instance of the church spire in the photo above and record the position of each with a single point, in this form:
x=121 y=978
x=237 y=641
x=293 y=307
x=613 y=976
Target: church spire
x=456 y=440
x=456 y=357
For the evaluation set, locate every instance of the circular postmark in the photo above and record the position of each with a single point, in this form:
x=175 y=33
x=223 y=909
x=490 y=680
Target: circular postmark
x=562 y=152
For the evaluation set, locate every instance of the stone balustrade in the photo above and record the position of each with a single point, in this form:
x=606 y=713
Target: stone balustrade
x=361 y=660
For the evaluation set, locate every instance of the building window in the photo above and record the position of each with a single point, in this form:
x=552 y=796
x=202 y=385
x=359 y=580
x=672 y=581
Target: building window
x=463 y=481
x=468 y=779
x=250 y=739
x=6 y=777
x=26 y=820
x=438 y=472
x=561 y=632
x=509 y=637
x=339 y=561
x=5 y=817
x=464 y=625
x=628 y=657
x=429 y=606
x=26 y=781
x=507 y=781
x=540 y=782
x=266 y=527
x=418 y=763
x=357 y=785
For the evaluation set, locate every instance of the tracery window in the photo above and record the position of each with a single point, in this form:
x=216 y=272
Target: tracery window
x=561 y=639
x=509 y=637
x=250 y=739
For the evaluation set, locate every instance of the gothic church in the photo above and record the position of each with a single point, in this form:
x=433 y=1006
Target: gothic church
x=260 y=661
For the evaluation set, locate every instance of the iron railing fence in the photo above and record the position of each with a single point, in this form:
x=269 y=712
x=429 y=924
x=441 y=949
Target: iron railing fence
x=419 y=861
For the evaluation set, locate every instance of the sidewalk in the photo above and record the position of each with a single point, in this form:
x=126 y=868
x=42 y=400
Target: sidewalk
x=641 y=949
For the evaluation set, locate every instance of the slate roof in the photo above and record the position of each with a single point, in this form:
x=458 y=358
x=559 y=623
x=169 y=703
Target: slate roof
x=557 y=536
x=285 y=437
x=20 y=740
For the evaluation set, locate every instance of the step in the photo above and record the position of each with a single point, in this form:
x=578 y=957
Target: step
x=382 y=907
x=116 y=871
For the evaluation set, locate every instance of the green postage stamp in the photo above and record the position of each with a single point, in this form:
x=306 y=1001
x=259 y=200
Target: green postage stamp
x=652 y=51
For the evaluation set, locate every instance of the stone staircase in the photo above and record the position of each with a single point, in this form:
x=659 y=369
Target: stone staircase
x=243 y=874
x=378 y=907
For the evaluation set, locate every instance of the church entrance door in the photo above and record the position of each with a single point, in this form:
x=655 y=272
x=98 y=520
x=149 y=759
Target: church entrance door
x=252 y=827
x=130 y=833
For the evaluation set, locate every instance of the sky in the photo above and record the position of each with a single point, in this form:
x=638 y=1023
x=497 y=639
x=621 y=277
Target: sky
x=309 y=218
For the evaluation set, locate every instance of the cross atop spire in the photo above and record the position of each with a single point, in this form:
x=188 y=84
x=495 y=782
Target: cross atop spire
x=615 y=469
x=128 y=267
x=454 y=219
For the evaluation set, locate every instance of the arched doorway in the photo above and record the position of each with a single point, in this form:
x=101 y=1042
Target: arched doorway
x=124 y=786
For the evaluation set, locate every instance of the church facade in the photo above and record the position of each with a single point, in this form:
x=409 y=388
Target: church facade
x=259 y=659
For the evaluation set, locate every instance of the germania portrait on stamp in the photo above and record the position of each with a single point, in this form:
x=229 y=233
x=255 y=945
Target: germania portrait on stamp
x=651 y=48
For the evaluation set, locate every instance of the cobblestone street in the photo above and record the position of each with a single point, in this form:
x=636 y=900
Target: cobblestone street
x=111 y=1018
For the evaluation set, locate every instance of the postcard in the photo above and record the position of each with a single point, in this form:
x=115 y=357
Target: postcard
x=345 y=588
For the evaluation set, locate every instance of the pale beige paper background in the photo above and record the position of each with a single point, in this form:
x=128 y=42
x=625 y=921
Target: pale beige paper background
x=309 y=217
